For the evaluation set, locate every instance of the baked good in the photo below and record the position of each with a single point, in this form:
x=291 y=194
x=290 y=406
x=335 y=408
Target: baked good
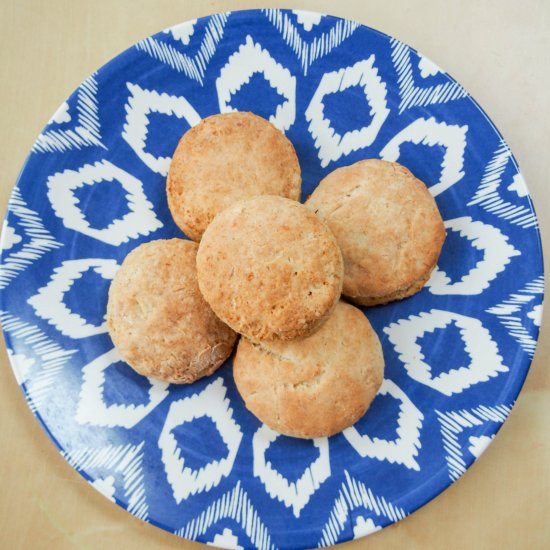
x=158 y=319
x=226 y=158
x=387 y=225
x=270 y=268
x=316 y=386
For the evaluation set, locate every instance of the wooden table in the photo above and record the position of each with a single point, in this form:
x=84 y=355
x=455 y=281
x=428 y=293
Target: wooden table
x=499 y=50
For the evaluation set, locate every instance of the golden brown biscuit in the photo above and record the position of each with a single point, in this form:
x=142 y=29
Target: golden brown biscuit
x=316 y=386
x=226 y=158
x=270 y=268
x=387 y=225
x=158 y=319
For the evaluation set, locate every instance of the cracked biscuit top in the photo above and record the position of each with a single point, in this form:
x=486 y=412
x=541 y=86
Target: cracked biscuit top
x=270 y=268
x=226 y=158
x=387 y=225
x=316 y=386
x=158 y=319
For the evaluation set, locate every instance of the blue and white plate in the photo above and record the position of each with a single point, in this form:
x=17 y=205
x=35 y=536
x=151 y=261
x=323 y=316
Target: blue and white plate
x=192 y=459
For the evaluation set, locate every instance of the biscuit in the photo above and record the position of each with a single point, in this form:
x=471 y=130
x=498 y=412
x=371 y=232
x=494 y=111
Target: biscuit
x=226 y=158
x=387 y=225
x=316 y=386
x=158 y=319
x=270 y=268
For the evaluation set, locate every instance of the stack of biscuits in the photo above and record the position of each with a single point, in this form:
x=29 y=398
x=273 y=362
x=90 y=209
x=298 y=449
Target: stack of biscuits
x=272 y=270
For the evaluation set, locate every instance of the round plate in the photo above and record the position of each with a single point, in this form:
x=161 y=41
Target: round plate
x=192 y=459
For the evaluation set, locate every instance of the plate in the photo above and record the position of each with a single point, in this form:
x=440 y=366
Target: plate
x=192 y=459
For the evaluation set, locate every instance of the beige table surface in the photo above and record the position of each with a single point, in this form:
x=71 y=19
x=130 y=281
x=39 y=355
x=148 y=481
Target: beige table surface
x=498 y=50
